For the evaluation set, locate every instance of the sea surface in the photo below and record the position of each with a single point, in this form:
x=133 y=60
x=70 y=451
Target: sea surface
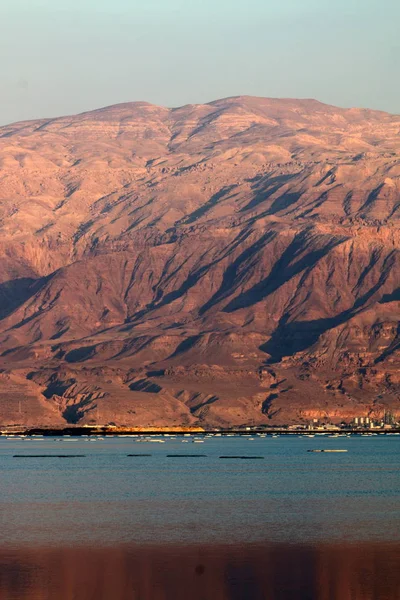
x=79 y=518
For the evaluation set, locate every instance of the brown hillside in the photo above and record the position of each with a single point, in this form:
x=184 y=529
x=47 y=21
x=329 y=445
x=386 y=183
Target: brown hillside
x=235 y=262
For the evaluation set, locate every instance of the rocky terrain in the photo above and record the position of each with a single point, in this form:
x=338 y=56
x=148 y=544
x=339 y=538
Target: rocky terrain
x=220 y=264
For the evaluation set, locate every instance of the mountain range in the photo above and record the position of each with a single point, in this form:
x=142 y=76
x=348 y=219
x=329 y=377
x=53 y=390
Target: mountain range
x=222 y=264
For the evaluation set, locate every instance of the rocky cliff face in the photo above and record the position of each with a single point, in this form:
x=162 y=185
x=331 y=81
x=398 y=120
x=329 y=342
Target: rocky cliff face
x=235 y=262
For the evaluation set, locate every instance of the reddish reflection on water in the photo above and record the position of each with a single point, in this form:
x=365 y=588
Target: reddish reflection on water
x=273 y=572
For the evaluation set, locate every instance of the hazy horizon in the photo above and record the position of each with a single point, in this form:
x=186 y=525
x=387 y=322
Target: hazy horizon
x=84 y=55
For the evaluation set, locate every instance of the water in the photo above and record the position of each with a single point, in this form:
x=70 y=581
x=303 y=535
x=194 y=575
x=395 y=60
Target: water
x=292 y=495
x=249 y=517
x=261 y=572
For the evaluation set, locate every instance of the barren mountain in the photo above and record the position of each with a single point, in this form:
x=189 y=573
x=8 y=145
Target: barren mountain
x=220 y=264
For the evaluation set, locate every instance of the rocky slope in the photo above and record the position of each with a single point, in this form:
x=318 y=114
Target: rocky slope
x=235 y=262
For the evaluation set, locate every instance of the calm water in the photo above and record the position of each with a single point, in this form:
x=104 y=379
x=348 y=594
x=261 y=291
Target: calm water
x=362 y=572
x=318 y=526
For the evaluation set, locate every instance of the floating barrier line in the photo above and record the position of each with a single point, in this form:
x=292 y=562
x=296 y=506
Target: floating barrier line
x=244 y=457
x=49 y=456
x=138 y=455
x=186 y=455
x=327 y=450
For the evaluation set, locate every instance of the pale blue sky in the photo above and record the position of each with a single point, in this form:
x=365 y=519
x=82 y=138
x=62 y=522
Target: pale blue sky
x=65 y=56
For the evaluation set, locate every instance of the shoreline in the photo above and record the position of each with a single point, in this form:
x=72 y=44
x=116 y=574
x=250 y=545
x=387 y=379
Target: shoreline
x=121 y=431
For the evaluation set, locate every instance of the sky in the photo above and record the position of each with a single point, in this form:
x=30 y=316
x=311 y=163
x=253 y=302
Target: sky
x=61 y=57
